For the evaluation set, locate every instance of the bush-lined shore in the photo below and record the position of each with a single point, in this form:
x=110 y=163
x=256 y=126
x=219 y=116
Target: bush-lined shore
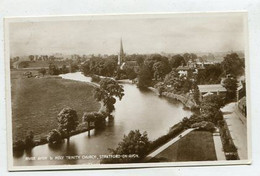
x=64 y=120
x=199 y=121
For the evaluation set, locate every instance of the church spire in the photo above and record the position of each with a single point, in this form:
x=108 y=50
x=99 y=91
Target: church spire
x=121 y=48
x=121 y=53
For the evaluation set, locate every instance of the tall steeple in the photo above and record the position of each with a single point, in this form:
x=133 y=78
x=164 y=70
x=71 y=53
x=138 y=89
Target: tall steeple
x=121 y=54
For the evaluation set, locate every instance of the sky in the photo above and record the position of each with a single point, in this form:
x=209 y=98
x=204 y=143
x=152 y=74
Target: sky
x=174 y=33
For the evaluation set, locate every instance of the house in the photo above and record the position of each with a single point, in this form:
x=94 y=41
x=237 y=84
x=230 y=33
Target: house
x=210 y=89
x=191 y=68
x=183 y=70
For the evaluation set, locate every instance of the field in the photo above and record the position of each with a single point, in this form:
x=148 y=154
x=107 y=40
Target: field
x=37 y=101
x=40 y=64
x=195 y=146
x=46 y=63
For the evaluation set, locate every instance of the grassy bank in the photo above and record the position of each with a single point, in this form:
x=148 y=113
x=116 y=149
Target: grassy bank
x=37 y=101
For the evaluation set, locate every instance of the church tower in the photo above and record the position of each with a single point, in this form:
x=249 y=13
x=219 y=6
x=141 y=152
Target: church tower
x=121 y=54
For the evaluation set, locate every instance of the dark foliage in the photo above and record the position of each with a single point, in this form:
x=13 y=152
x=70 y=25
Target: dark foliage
x=24 y=64
x=174 y=131
x=42 y=71
x=29 y=142
x=176 y=61
x=233 y=65
x=144 y=77
x=54 y=137
x=228 y=145
x=231 y=85
x=95 y=78
x=108 y=90
x=67 y=120
x=135 y=143
x=53 y=69
x=18 y=145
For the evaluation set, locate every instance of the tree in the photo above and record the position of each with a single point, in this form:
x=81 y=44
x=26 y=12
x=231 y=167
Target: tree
x=176 y=61
x=23 y=64
x=158 y=69
x=108 y=90
x=193 y=57
x=42 y=71
x=88 y=117
x=140 y=60
x=196 y=95
x=186 y=57
x=232 y=64
x=171 y=78
x=144 y=77
x=134 y=143
x=54 y=137
x=210 y=108
x=31 y=57
x=53 y=69
x=73 y=68
x=231 y=85
x=18 y=146
x=130 y=73
x=211 y=75
x=213 y=100
x=29 y=143
x=64 y=69
x=68 y=121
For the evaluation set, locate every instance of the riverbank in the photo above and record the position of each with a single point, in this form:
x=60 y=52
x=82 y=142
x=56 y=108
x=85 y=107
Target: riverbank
x=187 y=102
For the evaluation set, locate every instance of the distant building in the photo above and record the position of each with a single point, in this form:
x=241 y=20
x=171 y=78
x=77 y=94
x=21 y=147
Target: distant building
x=183 y=70
x=191 y=67
x=210 y=89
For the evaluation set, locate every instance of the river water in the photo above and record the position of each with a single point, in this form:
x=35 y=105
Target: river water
x=142 y=110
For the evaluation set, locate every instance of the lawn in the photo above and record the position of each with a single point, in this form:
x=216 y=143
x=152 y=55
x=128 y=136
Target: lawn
x=195 y=146
x=37 y=101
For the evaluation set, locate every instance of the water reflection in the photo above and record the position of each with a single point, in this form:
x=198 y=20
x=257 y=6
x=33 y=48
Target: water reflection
x=56 y=147
x=139 y=109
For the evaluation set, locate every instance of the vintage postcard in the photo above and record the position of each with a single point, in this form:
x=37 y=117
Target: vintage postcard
x=129 y=90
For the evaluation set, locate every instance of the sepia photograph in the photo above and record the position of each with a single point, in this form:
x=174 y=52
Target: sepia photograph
x=127 y=90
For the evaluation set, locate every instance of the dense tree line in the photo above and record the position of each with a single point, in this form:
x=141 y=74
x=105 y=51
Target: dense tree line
x=55 y=70
x=157 y=68
x=99 y=66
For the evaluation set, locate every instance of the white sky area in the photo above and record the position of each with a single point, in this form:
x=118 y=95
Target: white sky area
x=175 y=33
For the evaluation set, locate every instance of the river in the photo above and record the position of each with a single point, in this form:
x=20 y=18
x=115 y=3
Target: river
x=142 y=110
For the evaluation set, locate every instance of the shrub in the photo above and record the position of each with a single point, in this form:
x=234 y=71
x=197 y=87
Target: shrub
x=95 y=78
x=174 y=131
x=208 y=126
x=227 y=142
x=99 y=120
x=135 y=143
x=24 y=64
x=54 y=137
x=29 y=143
x=194 y=108
x=18 y=145
x=43 y=140
x=185 y=122
x=195 y=119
